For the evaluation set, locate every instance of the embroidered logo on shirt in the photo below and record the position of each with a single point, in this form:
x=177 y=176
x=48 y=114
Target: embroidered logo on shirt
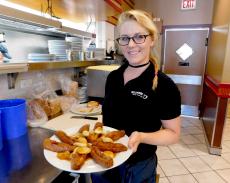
x=139 y=94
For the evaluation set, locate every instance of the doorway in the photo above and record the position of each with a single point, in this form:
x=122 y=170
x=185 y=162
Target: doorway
x=184 y=60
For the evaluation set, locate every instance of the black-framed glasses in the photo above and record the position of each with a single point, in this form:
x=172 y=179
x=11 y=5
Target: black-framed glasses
x=138 y=39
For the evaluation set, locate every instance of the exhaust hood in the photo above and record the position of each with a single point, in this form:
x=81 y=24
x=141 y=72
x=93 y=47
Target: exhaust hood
x=13 y=18
x=75 y=32
x=19 y=19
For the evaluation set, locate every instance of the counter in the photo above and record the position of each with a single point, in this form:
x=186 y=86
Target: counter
x=30 y=164
x=36 y=169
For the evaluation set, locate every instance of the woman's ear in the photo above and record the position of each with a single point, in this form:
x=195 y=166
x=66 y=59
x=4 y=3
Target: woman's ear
x=152 y=43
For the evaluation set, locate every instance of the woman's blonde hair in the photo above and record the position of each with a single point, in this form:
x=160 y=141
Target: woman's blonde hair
x=146 y=21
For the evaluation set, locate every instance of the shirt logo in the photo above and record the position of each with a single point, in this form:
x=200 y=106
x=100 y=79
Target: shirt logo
x=139 y=94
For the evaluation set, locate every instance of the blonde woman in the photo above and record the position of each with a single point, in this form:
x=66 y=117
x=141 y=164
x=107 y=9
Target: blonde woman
x=140 y=99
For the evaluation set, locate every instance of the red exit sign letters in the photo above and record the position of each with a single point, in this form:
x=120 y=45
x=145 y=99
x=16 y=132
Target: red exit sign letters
x=188 y=4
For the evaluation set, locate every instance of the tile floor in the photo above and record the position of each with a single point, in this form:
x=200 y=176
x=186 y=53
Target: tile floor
x=188 y=161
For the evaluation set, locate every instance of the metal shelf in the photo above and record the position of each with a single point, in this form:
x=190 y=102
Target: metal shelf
x=13 y=67
x=62 y=64
x=34 y=66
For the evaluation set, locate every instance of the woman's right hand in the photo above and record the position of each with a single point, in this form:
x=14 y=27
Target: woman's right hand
x=1 y=57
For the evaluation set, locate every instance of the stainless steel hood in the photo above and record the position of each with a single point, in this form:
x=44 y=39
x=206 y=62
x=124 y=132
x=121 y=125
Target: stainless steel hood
x=75 y=32
x=20 y=20
x=15 y=18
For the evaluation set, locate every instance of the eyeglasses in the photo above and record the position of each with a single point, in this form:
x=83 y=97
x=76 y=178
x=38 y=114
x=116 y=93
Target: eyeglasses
x=138 y=39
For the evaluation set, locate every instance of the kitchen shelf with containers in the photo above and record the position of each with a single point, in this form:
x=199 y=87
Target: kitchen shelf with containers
x=73 y=51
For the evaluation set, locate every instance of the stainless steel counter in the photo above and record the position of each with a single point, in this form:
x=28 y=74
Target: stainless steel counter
x=34 y=169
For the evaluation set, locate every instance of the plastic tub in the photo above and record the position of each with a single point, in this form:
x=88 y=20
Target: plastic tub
x=13 y=118
x=1 y=145
x=18 y=152
x=4 y=166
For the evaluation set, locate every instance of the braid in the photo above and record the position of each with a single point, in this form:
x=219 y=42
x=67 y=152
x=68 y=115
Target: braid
x=155 y=79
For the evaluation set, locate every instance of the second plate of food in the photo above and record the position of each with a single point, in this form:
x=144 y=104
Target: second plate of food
x=84 y=109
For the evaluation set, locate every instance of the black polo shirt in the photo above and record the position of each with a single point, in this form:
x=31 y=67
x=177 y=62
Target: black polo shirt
x=135 y=106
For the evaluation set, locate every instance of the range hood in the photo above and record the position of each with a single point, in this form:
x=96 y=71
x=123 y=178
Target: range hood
x=19 y=19
x=13 y=18
x=75 y=32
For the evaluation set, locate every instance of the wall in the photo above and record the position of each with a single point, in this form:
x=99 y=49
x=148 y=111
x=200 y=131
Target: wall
x=19 y=44
x=218 y=51
x=104 y=31
x=228 y=110
x=52 y=77
x=169 y=11
x=226 y=67
x=217 y=82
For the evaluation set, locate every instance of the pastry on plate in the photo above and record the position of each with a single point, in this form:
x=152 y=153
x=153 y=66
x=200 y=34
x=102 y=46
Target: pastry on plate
x=92 y=104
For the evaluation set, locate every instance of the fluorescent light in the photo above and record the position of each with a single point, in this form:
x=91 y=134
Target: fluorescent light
x=19 y=7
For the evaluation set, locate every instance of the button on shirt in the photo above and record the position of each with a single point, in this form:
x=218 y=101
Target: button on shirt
x=135 y=106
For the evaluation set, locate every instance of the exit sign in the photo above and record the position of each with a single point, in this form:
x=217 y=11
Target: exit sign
x=188 y=4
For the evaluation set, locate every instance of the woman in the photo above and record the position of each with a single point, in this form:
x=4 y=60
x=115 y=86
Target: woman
x=140 y=99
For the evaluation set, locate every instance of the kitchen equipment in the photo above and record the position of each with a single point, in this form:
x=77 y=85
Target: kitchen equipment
x=89 y=55
x=39 y=57
x=13 y=118
x=76 y=46
x=58 y=48
x=85 y=117
x=82 y=94
x=20 y=19
x=69 y=54
x=96 y=53
x=96 y=78
x=81 y=55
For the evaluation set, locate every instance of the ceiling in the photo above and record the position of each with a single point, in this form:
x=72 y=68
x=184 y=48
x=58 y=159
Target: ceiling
x=80 y=10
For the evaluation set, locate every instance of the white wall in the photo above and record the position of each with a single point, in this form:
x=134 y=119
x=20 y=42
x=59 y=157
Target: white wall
x=52 y=77
x=104 y=31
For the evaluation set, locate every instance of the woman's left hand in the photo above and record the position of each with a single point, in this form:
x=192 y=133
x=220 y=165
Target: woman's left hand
x=134 y=141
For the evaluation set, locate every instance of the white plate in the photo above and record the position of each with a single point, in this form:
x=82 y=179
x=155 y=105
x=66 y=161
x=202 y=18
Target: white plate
x=81 y=109
x=90 y=166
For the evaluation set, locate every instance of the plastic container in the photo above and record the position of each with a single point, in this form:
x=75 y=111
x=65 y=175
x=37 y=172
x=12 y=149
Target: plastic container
x=18 y=152
x=13 y=118
x=1 y=145
x=4 y=166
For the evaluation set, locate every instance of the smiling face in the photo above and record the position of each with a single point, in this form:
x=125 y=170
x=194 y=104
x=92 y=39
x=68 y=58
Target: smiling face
x=136 y=54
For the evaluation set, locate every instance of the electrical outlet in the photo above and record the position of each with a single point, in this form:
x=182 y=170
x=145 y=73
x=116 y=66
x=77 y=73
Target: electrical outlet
x=25 y=83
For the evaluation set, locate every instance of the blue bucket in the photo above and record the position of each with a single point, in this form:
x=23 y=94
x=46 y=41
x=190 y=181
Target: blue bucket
x=13 y=118
x=0 y=133
x=18 y=152
x=4 y=165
